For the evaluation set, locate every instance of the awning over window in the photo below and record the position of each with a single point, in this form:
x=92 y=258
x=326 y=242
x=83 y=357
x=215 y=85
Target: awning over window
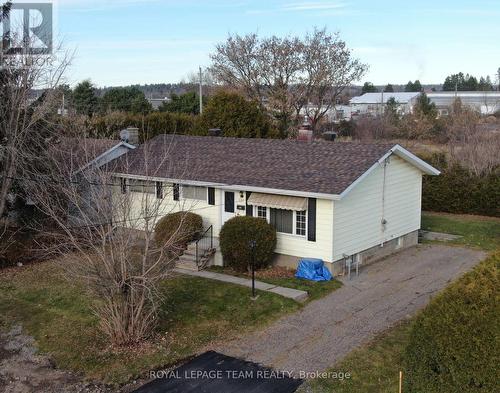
x=278 y=201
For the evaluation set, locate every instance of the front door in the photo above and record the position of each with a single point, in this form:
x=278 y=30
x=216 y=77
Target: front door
x=229 y=206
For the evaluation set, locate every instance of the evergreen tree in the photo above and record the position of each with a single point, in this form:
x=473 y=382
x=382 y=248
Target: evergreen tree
x=368 y=87
x=237 y=117
x=460 y=82
x=391 y=108
x=485 y=84
x=84 y=98
x=425 y=106
x=125 y=99
x=413 y=86
x=184 y=103
x=389 y=88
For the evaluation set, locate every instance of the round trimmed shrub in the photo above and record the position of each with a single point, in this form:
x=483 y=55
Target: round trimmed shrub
x=185 y=226
x=235 y=238
x=455 y=342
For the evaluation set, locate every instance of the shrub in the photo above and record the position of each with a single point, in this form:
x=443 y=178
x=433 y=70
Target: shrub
x=185 y=226
x=236 y=117
x=235 y=237
x=454 y=343
x=459 y=191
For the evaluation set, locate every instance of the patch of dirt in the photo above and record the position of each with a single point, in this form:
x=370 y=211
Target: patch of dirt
x=23 y=370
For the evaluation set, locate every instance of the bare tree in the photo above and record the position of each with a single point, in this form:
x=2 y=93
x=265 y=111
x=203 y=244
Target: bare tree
x=287 y=74
x=471 y=146
x=103 y=230
x=329 y=69
x=27 y=105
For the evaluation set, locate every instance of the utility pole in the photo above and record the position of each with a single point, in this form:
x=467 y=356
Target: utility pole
x=201 y=92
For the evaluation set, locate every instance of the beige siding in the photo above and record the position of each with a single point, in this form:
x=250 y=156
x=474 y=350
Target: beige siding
x=322 y=248
x=209 y=213
x=357 y=217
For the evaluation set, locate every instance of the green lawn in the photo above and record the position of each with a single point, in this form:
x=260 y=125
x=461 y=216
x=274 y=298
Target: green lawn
x=315 y=290
x=375 y=367
x=477 y=232
x=195 y=312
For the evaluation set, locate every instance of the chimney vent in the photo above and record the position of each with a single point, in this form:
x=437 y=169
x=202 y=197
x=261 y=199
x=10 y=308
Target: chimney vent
x=330 y=136
x=130 y=135
x=215 y=132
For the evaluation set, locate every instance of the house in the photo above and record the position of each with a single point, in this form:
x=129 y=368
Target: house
x=335 y=114
x=484 y=102
x=374 y=104
x=326 y=200
x=156 y=103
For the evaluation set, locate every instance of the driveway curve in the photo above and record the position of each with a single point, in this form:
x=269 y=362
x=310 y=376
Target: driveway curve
x=326 y=330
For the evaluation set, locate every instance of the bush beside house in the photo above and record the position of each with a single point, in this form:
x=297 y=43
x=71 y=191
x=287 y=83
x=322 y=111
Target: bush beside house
x=235 y=238
x=455 y=342
x=459 y=191
x=181 y=227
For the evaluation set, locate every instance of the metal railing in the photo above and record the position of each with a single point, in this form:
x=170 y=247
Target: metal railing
x=204 y=245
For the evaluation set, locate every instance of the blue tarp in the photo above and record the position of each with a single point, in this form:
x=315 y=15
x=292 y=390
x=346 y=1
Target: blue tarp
x=313 y=269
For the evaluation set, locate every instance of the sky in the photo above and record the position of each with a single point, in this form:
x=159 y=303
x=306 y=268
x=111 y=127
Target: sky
x=121 y=42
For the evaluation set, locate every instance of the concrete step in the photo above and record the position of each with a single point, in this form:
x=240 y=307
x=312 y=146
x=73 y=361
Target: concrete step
x=187 y=266
x=187 y=258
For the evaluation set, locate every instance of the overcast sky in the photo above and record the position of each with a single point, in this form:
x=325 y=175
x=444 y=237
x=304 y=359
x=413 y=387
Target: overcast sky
x=120 y=42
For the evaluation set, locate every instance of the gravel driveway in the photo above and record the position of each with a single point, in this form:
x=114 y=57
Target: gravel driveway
x=325 y=330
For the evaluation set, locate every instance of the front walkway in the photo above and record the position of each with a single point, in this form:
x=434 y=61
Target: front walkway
x=326 y=330
x=294 y=294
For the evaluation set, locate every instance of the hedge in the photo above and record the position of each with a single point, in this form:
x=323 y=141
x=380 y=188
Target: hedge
x=185 y=226
x=454 y=344
x=235 y=237
x=149 y=125
x=458 y=191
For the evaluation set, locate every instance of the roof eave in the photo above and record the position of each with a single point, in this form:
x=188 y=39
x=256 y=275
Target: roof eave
x=413 y=159
x=234 y=187
x=402 y=153
x=90 y=163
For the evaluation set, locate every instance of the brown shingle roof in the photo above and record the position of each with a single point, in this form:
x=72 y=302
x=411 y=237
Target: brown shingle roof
x=317 y=167
x=77 y=152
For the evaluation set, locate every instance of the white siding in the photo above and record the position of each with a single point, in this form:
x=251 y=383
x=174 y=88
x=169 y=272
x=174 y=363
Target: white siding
x=357 y=217
x=299 y=246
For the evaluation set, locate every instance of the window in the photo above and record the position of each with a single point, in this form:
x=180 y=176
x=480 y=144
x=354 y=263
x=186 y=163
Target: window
x=159 y=190
x=300 y=223
x=148 y=187
x=262 y=212
x=229 y=202
x=194 y=192
x=282 y=220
